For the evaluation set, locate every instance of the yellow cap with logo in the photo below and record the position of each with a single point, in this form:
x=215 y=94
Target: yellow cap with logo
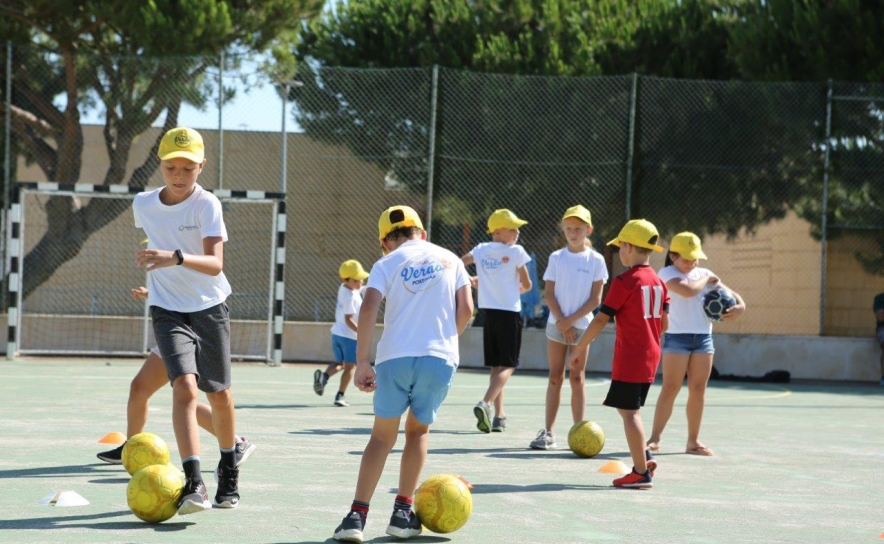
x=352 y=270
x=687 y=244
x=580 y=213
x=640 y=233
x=504 y=219
x=182 y=142
x=396 y=217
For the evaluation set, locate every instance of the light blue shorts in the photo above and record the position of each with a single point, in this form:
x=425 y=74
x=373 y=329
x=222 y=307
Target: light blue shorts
x=688 y=343
x=419 y=382
x=344 y=349
x=554 y=334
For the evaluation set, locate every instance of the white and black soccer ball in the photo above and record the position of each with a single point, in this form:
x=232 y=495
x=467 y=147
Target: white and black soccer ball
x=717 y=302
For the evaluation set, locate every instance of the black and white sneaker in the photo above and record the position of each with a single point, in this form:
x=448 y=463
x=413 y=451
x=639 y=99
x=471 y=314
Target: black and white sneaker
x=340 y=400
x=404 y=524
x=194 y=498
x=350 y=529
x=244 y=449
x=227 y=495
x=114 y=456
x=318 y=386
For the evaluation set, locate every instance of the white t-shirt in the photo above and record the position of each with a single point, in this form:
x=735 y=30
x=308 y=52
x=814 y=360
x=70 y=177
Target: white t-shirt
x=497 y=266
x=686 y=315
x=574 y=274
x=419 y=281
x=182 y=226
x=349 y=302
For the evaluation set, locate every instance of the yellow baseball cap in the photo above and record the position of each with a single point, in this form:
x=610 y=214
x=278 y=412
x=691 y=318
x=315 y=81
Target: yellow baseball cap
x=395 y=217
x=638 y=232
x=687 y=244
x=580 y=213
x=504 y=219
x=352 y=269
x=182 y=142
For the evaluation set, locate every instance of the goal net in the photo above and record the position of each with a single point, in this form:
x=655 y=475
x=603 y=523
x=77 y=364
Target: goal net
x=70 y=287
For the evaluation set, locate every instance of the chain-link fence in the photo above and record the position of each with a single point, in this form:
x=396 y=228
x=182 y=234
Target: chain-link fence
x=765 y=172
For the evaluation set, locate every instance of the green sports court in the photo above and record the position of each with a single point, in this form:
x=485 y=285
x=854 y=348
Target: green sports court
x=794 y=463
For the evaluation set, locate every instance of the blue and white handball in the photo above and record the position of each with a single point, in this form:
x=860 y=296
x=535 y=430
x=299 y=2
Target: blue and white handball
x=717 y=302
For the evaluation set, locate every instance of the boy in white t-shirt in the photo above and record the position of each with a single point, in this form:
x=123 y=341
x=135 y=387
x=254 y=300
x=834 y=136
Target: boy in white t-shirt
x=428 y=304
x=344 y=330
x=575 y=276
x=187 y=291
x=502 y=278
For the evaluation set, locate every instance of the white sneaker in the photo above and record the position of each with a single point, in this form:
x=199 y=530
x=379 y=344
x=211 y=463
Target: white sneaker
x=545 y=441
x=482 y=412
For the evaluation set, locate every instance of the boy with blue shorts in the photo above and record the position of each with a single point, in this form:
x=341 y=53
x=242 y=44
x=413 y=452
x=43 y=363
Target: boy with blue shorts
x=344 y=330
x=428 y=304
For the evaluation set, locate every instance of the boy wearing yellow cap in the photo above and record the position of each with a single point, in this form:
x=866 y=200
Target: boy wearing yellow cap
x=428 y=304
x=187 y=292
x=687 y=344
x=344 y=330
x=502 y=277
x=639 y=302
x=574 y=276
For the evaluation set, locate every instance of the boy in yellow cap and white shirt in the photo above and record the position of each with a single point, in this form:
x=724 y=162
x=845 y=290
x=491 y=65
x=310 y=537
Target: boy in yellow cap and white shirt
x=502 y=278
x=428 y=305
x=187 y=292
x=344 y=330
x=639 y=300
x=687 y=345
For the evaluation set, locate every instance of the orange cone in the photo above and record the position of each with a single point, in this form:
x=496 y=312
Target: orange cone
x=614 y=467
x=113 y=438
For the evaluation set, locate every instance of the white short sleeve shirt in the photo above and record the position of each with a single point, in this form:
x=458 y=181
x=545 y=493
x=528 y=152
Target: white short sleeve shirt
x=686 y=315
x=497 y=266
x=349 y=303
x=574 y=275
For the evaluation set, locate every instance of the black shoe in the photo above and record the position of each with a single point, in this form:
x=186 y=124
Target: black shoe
x=350 y=529
x=194 y=498
x=318 y=386
x=243 y=450
x=404 y=524
x=114 y=456
x=227 y=495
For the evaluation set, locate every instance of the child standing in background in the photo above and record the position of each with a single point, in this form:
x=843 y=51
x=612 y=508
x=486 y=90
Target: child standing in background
x=502 y=278
x=574 y=279
x=344 y=330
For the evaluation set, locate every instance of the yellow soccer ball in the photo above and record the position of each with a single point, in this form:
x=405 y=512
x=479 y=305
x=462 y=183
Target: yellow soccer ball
x=443 y=503
x=144 y=449
x=154 y=491
x=586 y=439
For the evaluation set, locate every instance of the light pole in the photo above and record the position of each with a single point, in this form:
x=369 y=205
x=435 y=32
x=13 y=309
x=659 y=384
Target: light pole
x=285 y=87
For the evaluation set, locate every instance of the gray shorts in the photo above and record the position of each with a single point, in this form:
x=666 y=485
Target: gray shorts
x=554 y=334
x=195 y=343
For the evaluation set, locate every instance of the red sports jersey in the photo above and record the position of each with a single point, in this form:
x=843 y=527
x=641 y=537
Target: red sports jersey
x=637 y=299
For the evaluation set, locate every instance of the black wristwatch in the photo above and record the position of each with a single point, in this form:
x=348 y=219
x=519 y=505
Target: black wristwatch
x=180 y=256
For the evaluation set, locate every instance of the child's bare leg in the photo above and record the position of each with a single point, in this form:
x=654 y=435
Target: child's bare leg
x=383 y=438
x=150 y=379
x=675 y=366
x=699 y=369
x=223 y=418
x=333 y=368
x=413 y=456
x=184 y=401
x=499 y=377
x=555 y=353
x=635 y=437
x=578 y=389
x=347 y=376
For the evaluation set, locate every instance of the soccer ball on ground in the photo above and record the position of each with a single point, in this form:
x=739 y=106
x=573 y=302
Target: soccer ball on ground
x=443 y=503
x=144 y=449
x=586 y=439
x=717 y=302
x=154 y=491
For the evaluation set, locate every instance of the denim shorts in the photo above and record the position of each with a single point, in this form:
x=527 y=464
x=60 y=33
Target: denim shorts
x=554 y=334
x=688 y=343
x=344 y=349
x=419 y=382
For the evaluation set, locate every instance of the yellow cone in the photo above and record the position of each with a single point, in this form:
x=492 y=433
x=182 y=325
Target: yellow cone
x=113 y=438
x=614 y=467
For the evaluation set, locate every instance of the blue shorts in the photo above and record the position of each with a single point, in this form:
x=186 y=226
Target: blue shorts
x=688 y=343
x=419 y=382
x=344 y=349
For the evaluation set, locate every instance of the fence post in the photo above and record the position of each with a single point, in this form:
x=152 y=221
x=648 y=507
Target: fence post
x=630 y=152
x=825 y=209
x=220 y=122
x=7 y=171
x=431 y=152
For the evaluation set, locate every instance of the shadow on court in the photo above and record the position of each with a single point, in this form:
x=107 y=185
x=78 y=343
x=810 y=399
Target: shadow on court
x=70 y=522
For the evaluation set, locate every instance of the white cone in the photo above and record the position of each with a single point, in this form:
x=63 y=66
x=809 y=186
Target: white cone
x=63 y=498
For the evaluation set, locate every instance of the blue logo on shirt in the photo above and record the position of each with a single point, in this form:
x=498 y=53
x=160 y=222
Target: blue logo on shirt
x=422 y=274
x=492 y=263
